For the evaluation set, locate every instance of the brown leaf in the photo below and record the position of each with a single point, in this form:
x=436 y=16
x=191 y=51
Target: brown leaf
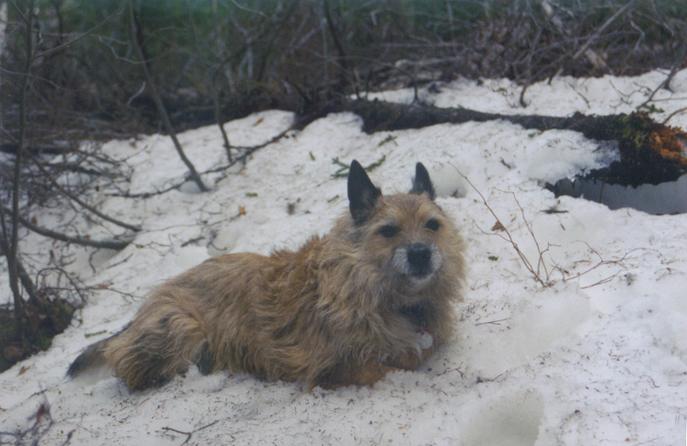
x=42 y=411
x=242 y=210
x=498 y=226
x=12 y=353
x=23 y=370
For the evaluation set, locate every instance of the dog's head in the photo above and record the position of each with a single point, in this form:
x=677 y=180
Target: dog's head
x=406 y=238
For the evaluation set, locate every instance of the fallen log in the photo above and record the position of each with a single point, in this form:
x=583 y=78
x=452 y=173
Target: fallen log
x=650 y=152
x=46 y=149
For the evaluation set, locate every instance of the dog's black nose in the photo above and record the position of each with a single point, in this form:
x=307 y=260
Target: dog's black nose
x=419 y=256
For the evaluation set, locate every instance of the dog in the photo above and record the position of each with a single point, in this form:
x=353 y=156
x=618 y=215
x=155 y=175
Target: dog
x=375 y=294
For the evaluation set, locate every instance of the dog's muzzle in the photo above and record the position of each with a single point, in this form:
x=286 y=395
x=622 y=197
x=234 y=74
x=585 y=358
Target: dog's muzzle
x=417 y=261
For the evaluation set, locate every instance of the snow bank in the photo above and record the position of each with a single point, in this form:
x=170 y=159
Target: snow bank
x=597 y=357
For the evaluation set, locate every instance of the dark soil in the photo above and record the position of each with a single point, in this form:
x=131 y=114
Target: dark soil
x=43 y=321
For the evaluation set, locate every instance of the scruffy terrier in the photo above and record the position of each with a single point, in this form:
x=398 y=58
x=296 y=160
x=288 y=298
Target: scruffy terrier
x=375 y=294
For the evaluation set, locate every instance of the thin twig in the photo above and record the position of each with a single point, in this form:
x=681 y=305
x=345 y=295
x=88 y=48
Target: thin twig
x=601 y=262
x=666 y=82
x=545 y=282
x=75 y=285
x=603 y=27
x=65 y=45
x=540 y=262
x=188 y=434
x=494 y=322
x=676 y=112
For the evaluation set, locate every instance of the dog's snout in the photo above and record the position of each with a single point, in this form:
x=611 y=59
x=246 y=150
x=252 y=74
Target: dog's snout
x=419 y=256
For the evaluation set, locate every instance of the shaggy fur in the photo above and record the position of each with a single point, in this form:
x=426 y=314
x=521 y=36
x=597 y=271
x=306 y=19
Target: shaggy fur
x=343 y=309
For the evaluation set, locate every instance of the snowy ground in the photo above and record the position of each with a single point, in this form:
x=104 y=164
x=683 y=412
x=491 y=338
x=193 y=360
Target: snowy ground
x=598 y=357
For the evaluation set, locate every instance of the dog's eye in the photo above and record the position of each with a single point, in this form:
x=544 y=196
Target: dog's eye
x=432 y=224
x=388 y=231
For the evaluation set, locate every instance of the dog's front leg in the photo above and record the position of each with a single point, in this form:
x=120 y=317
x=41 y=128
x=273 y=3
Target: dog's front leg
x=410 y=359
x=370 y=373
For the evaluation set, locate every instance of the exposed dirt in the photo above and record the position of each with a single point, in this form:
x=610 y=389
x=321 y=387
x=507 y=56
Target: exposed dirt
x=44 y=319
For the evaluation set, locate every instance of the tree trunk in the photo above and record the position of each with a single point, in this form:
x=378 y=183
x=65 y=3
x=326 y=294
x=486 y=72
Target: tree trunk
x=136 y=38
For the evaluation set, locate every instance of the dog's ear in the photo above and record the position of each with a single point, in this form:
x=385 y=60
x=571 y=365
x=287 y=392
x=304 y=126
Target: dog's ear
x=422 y=183
x=362 y=194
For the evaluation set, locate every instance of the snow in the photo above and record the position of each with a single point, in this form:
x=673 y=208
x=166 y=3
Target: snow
x=563 y=96
x=598 y=356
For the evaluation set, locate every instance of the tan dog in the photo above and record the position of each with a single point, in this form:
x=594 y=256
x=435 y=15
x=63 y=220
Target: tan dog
x=374 y=295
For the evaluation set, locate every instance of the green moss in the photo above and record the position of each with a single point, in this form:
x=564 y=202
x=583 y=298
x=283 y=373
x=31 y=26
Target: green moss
x=634 y=132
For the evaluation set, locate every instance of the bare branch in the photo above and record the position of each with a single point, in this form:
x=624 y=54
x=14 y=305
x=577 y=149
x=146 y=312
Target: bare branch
x=603 y=27
x=12 y=245
x=676 y=112
x=137 y=40
x=65 y=45
x=246 y=152
x=188 y=434
x=535 y=272
x=80 y=202
x=107 y=244
x=666 y=82
x=220 y=124
x=343 y=60
x=22 y=274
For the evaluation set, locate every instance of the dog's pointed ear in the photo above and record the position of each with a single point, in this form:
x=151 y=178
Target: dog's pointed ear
x=422 y=183
x=362 y=194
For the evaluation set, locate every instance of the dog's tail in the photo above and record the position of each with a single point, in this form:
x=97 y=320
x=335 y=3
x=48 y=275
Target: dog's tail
x=91 y=358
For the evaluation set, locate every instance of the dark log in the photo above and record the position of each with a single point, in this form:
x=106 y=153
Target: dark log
x=650 y=152
x=55 y=149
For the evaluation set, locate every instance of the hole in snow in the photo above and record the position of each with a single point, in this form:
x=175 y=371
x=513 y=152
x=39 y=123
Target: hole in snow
x=664 y=198
x=643 y=180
